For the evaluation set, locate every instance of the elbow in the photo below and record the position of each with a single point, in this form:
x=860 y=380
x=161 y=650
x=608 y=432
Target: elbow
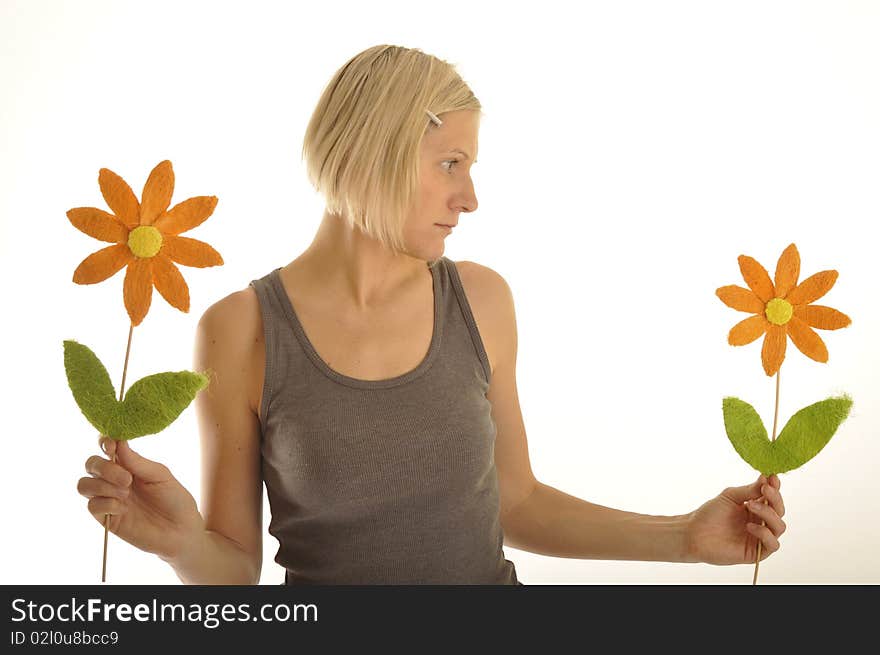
x=517 y=513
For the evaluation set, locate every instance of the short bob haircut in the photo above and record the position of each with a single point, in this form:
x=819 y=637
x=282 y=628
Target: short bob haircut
x=361 y=146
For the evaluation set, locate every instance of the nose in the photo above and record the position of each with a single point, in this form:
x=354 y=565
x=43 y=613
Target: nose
x=468 y=201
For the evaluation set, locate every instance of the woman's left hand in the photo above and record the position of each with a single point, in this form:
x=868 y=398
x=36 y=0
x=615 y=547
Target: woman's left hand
x=726 y=531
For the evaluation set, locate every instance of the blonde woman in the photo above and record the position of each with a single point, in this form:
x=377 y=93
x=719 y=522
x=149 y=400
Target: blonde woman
x=370 y=383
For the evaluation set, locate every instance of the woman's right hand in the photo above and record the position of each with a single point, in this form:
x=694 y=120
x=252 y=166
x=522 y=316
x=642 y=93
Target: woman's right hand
x=148 y=507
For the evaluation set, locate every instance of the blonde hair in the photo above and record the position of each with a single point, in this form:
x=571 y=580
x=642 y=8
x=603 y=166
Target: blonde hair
x=361 y=146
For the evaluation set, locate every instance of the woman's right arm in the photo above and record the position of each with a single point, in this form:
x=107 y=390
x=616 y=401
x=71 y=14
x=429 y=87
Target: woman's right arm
x=148 y=506
x=228 y=344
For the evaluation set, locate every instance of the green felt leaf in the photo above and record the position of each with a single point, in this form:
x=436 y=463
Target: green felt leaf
x=154 y=402
x=150 y=405
x=747 y=433
x=90 y=384
x=805 y=434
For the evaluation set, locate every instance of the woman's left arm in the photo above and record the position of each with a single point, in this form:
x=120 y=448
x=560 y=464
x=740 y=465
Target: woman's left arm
x=541 y=519
x=723 y=530
x=551 y=522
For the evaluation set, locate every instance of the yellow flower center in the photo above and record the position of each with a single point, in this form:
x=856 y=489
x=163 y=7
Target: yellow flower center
x=145 y=241
x=778 y=311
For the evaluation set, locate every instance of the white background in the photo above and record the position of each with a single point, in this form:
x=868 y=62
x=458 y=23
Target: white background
x=630 y=152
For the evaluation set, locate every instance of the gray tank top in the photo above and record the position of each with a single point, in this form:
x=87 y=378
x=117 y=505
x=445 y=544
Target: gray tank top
x=382 y=481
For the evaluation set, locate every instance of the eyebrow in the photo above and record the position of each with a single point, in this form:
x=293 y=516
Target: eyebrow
x=461 y=152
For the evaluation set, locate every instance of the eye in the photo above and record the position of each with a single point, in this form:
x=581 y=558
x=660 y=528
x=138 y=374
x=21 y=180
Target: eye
x=451 y=161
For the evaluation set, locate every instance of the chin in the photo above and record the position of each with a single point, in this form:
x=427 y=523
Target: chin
x=427 y=251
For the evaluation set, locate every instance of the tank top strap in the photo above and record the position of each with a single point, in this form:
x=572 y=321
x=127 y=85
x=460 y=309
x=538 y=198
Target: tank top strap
x=467 y=315
x=277 y=343
x=270 y=303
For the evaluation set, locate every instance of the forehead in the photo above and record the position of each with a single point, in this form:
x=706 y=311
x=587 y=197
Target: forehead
x=459 y=131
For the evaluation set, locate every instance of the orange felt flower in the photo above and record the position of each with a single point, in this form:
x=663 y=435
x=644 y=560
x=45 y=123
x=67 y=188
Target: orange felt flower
x=146 y=238
x=782 y=307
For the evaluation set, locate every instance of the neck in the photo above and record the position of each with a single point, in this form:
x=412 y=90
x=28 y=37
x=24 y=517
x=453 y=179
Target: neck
x=364 y=271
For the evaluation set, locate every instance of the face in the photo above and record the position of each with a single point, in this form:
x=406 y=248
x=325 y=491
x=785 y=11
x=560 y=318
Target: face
x=447 y=153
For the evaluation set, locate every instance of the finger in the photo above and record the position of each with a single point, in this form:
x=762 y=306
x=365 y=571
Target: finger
x=774 y=498
x=108 y=445
x=745 y=492
x=775 y=482
x=104 y=468
x=757 y=484
x=770 y=542
x=759 y=499
x=92 y=487
x=145 y=470
x=766 y=512
x=100 y=505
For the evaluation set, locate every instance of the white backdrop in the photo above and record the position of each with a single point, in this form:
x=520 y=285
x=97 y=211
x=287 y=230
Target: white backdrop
x=630 y=152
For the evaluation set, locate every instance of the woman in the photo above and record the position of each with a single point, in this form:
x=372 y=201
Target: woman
x=371 y=384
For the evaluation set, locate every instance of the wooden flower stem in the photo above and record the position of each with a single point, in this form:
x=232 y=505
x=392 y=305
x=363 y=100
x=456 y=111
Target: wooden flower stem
x=773 y=438
x=121 y=395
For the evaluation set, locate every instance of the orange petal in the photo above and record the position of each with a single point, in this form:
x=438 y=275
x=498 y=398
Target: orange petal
x=806 y=340
x=102 y=264
x=773 y=350
x=186 y=215
x=119 y=197
x=813 y=288
x=190 y=252
x=157 y=192
x=170 y=283
x=787 y=270
x=821 y=317
x=747 y=330
x=757 y=278
x=98 y=224
x=138 y=289
x=740 y=299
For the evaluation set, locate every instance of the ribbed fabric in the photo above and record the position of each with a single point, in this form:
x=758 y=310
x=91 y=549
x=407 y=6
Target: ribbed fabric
x=382 y=481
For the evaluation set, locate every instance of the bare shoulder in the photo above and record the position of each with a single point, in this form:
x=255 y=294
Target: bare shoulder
x=483 y=281
x=242 y=305
x=233 y=326
x=235 y=319
x=491 y=301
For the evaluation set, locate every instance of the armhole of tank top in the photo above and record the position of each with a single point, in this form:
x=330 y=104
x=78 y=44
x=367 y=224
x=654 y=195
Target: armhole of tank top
x=262 y=289
x=465 y=306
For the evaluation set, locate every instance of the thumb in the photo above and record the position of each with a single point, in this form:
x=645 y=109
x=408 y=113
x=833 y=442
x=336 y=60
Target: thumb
x=139 y=466
x=749 y=491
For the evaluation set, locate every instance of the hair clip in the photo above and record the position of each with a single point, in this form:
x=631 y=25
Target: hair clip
x=434 y=118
